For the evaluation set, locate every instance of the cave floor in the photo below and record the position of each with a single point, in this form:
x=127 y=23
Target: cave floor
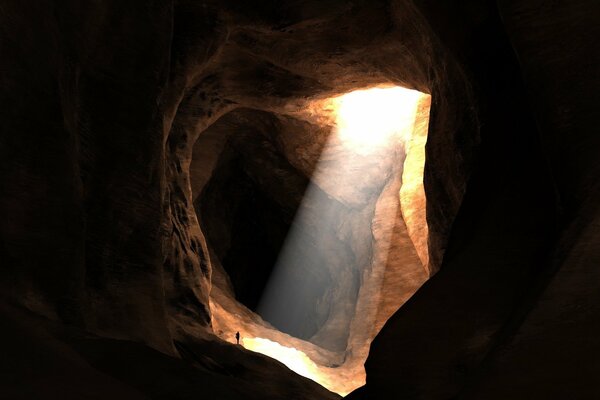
x=43 y=359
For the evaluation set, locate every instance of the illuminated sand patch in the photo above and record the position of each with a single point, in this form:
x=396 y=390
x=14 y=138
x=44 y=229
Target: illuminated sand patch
x=294 y=359
x=301 y=364
x=367 y=126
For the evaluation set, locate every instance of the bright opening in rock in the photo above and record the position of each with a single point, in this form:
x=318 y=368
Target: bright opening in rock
x=368 y=119
x=316 y=221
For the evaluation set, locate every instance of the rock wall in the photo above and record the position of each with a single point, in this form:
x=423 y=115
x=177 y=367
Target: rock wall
x=279 y=72
x=251 y=188
x=83 y=163
x=552 y=337
x=102 y=259
x=509 y=314
x=101 y=108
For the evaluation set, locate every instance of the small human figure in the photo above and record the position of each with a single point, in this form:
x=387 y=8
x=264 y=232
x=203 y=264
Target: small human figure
x=237 y=337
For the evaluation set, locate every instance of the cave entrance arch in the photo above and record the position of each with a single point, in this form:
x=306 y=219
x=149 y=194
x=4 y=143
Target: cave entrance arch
x=315 y=219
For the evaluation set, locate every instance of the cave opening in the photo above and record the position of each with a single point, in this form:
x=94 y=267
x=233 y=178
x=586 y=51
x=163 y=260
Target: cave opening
x=315 y=220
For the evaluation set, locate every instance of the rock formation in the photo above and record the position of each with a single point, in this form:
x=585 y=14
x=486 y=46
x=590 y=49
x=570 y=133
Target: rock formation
x=154 y=154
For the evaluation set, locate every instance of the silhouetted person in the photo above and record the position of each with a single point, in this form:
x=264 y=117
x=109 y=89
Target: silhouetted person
x=237 y=337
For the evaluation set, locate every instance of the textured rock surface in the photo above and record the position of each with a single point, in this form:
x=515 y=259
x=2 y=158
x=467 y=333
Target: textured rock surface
x=49 y=360
x=553 y=339
x=510 y=315
x=102 y=105
x=273 y=76
x=82 y=151
x=86 y=88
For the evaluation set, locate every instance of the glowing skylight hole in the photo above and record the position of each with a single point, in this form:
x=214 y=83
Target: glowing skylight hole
x=370 y=118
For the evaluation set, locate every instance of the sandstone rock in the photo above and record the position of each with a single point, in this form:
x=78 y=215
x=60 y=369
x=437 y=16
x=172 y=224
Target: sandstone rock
x=122 y=123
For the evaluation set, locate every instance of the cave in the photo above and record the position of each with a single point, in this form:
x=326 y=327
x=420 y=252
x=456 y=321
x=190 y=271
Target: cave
x=310 y=214
x=299 y=200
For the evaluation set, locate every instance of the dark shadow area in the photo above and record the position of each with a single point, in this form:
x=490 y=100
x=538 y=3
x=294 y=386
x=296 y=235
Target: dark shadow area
x=49 y=361
x=246 y=211
x=245 y=216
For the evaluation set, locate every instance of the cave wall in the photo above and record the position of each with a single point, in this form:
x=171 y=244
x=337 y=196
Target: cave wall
x=107 y=201
x=249 y=202
x=282 y=69
x=82 y=164
x=509 y=314
x=116 y=215
x=553 y=337
x=105 y=104
x=100 y=249
x=102 y=105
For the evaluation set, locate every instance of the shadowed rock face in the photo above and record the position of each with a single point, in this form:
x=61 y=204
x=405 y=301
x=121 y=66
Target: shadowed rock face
x=510 y=312
x=247 y=207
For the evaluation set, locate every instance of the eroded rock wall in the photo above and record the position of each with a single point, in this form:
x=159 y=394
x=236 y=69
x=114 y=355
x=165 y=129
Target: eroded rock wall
x=101 y=107
x=96 y=207
x=283 y=68
x=509 y=314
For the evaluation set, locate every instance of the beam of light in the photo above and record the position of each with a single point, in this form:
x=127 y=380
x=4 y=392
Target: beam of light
x=372 y=129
